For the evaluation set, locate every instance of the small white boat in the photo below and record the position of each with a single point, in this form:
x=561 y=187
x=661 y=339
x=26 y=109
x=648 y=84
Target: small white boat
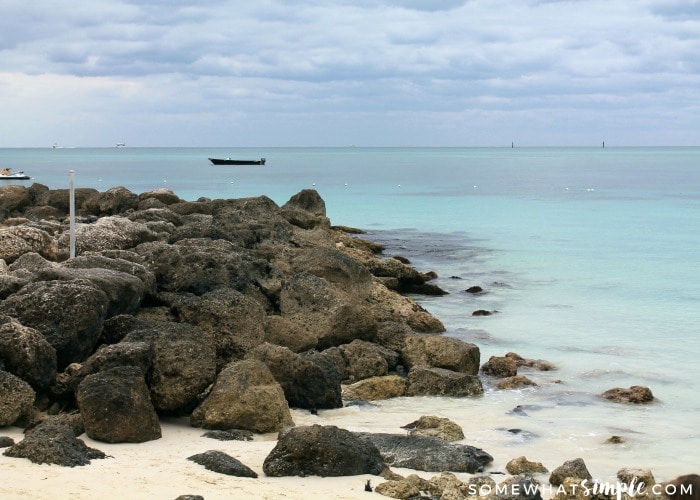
x=7 y=174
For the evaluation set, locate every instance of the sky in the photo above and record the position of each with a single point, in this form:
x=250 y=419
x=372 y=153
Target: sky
x=281 y=73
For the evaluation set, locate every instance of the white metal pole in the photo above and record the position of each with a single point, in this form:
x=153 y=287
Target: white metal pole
x=71 y=209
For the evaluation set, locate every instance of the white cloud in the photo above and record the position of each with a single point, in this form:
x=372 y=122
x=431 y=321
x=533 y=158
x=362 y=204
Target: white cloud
x=519 y=66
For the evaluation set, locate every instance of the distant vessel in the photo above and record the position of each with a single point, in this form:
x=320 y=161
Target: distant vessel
x=229 y=161
x=121 y=144
x=6 y=173
x=56 y=146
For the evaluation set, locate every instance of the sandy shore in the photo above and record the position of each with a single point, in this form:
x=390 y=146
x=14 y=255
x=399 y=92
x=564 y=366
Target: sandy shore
x=160 y=470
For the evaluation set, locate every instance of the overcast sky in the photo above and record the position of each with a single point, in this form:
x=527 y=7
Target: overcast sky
x=341 y=72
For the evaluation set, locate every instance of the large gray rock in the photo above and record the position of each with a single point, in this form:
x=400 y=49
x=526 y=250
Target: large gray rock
x=26 y=353
x=114 y=232
x=250 y=222
x=54 y=443
x=375 y=388
x=184 y=363
x=235 y=321
x=325 y=451
x=13 y=199
x=441 y=352
x=16 y=398
x=201 y=265
x=426 y=381
x=116 y=200
x=318 y=306
x=137 y=354
x=18 y=240
x=116 y=407
x=427 y=453
x=335 y=267
x=124 y=291
x=575 y=469
x=69 y=314
x=305 y=383
x=306 y=209
x=365 y=359
x=636 y=394
x=244 y=396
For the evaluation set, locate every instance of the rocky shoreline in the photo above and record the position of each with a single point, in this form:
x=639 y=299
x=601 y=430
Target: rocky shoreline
x=231 y=312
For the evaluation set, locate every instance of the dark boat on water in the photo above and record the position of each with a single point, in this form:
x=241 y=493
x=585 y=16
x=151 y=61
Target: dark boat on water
x=229 y=161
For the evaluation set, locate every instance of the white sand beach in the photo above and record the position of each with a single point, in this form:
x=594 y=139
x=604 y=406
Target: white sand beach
x=160 y=470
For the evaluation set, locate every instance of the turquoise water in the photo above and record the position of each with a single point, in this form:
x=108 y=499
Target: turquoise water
x=591 y=257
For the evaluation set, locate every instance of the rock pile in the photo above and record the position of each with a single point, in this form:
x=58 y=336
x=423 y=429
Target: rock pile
x=228 y=312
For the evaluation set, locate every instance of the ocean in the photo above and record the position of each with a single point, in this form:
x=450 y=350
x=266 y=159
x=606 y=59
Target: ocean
x=589 y=258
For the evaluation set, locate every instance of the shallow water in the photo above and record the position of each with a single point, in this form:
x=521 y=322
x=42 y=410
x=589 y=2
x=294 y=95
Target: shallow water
x=590 y=257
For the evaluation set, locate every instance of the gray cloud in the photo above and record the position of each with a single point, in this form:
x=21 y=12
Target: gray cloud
x=527 y=65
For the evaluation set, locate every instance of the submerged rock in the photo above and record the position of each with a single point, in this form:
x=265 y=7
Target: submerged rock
x=637 y=394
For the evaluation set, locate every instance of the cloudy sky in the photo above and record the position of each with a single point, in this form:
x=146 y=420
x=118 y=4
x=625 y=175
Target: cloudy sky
x=340 y=72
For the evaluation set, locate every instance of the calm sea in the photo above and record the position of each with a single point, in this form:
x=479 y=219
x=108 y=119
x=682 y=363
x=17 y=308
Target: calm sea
x=590 y=256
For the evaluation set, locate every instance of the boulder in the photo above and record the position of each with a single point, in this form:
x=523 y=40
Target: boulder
x=306 y=209
x=642 y=479
x=429 y=425
x=56 y=444
x=405 y=488
x=388 y=306
x=220 y=462
x=316 y=305
x=69 y=314
x=637 y=394
x=366 y=359
x=123 y=290
x=18 y=240
x=244 y=396
x=427 y=453
x=336 y=267
x=537 y=364
x=16 y=399
x=136 y=354
x=516 y=382
x=426 y=381
x=26 y=353
x=235 y=322
x=440 y=352
x=325 y=451
x=286 y=333
x=522 y=465
x=305 y=383
x=500 y=367
x=13 y=199
x=201 y=265
x=375 y=388
x=575 y=469
x=114 y=232
x=59 y=199
x=184 y=364
x=165 y=196
x=116 y=406
x=116 y=200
